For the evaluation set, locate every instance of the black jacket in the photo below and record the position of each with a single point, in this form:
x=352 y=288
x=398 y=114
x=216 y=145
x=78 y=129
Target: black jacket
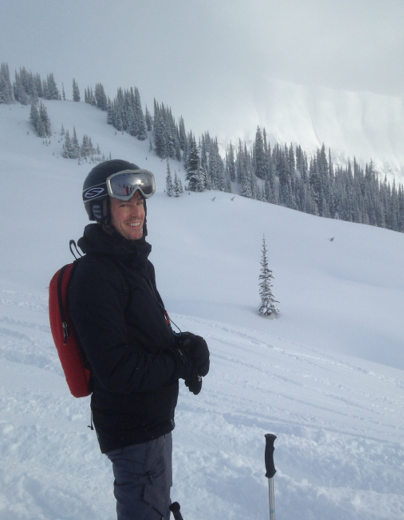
x=118 y=315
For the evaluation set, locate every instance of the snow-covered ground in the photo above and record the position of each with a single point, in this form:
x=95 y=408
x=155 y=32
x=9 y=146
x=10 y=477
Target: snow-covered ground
x=326 y=377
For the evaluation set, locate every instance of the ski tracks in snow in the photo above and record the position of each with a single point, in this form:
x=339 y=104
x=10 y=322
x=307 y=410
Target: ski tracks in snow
x=51 y=465
x=339 y=423
x=338 y=420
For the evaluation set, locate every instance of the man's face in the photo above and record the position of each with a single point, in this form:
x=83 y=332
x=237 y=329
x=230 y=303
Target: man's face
x=127 y=217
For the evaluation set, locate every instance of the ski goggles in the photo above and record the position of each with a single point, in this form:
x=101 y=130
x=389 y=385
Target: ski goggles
x=123 y=185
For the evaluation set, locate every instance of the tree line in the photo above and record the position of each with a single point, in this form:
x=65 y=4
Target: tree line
x=27 y=87
x=279 y=174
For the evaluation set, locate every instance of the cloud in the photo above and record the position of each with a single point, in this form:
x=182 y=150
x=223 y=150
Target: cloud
x=205 y=56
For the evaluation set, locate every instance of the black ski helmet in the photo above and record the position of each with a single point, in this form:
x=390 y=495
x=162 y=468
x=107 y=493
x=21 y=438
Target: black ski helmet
x=98 y=208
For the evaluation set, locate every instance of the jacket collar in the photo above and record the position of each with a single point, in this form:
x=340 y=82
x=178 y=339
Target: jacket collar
x=95 y=240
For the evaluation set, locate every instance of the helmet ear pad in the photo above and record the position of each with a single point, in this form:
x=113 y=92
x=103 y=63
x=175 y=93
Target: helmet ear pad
x=97 y=210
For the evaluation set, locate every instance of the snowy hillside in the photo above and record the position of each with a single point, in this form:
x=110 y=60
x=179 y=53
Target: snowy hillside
x=326 y=377
x=364 y=125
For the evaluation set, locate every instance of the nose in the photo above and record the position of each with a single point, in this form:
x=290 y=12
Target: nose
x=136 y=209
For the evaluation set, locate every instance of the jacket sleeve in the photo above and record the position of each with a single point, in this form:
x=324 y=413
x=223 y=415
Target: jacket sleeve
x=97 y=309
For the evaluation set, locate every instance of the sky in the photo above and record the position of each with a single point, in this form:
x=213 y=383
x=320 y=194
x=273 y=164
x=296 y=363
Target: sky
x=204 y=56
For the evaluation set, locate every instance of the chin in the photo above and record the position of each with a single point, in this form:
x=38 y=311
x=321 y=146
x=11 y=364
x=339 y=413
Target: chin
x=135 y=237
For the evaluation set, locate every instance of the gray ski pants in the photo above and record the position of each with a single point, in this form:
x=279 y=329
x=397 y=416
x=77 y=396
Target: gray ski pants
x=143 y=478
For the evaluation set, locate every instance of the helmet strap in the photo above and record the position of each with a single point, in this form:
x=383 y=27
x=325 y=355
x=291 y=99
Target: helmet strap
x=105 y=222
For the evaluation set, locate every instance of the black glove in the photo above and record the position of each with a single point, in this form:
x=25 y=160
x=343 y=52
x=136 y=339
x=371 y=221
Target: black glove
x=197 y=348
x=194 y=385
x=185 y=364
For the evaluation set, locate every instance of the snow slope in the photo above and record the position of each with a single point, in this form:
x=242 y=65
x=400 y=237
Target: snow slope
x=326 y=377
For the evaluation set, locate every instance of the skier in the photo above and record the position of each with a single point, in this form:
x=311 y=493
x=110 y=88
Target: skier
x=134 y=356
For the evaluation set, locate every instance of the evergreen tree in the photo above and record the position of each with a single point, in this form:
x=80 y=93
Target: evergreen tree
x=45 y=120
x=45 y=89
x=215 y=167
x=177 y=185
x=260 y=162
x=267 y=307
x=28 y=83
x=38 y=85
x=142 y=129
x=182 y=135
x=89 y=96
x=148 y=120
x=139 y=116
x=50 y=89
x=86 y=149
x=75 y=146
x=34 y=115
x=230 y=163
x=170 y=142
x=169 y=181
x=76 y=92
x=244 y=172
x=193 y=165
x=6 y=90
x=40 y=120
x=204 y=160
x=20 y=94
x=67 y=146
x=100 y=97
x=110 y=112
x=159 y=131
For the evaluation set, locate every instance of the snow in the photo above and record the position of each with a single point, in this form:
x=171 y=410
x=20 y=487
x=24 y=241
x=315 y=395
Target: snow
x=326 y=377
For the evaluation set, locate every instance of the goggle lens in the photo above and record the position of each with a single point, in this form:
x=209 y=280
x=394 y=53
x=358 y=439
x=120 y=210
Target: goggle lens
x=123 y=185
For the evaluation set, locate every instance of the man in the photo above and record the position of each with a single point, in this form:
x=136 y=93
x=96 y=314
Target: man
x=135 y=358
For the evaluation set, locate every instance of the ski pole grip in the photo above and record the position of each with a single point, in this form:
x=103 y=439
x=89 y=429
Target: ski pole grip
x=269 y=455
x=175 y=509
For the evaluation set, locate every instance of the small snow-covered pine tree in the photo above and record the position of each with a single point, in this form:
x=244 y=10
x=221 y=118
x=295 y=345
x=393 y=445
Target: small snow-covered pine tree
x=67 y=146
x=267 y=307
x=34 y=115
x=86 y=148
x=40 y=120
x=169 y=181
x=177 y=186
x=46 y=123
x=75 y=145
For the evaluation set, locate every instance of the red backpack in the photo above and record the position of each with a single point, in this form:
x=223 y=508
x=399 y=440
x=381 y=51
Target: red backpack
x=71 y=356
x=78 y=377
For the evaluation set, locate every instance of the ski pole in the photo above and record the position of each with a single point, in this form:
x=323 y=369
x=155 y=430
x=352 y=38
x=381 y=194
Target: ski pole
x=175 y=509
x=270 y=471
